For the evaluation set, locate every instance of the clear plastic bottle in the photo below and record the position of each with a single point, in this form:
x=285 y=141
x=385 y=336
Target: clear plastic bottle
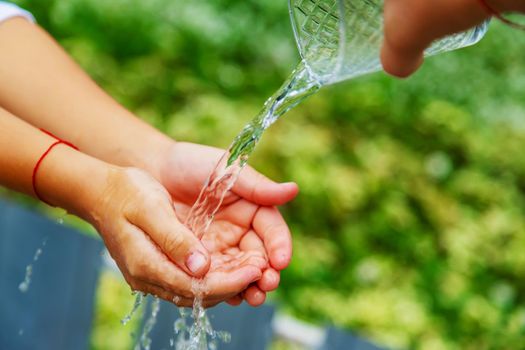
x=341 y=39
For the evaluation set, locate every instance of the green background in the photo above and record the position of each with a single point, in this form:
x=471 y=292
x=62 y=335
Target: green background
x=409 y=228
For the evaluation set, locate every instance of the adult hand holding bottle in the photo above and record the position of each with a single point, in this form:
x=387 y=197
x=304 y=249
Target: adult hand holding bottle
x=412 y=25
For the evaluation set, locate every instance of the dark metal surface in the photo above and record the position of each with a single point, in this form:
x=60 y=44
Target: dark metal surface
x=57 y=310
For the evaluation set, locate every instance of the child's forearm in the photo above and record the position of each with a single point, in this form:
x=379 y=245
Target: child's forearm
x=125 y=205
x=65 y=178
x=43 y=86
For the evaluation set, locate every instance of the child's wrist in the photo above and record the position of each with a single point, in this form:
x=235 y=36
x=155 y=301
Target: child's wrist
x=139 y=146
x=72 y=180
x=154 y=155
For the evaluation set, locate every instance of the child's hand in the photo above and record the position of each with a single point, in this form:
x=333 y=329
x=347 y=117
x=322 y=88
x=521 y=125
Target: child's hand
x=247 y=222
x=156 y=253
x=133 y=213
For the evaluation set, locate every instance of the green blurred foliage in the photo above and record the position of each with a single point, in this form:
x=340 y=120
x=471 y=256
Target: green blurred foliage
x=410 y=227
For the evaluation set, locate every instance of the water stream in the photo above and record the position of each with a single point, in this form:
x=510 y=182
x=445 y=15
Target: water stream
x=301 y=84
x=136 y=304
x=144 y=342
x=199 y=334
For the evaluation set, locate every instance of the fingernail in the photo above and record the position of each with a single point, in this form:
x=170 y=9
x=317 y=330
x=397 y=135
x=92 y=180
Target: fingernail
x=281 y=259
x=289 y=185
x=196 y=262
x=257 y=277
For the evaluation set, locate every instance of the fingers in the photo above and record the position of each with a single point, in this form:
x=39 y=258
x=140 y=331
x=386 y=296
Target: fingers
x=251 y=242
x=218 y=288
x=412 y=25
x=273 y=231
x=269 y=280
x=163 y=294
x=147 y=269
x=179 y=301
x=255 y=187
x=254 y=296
x=230 y=283
x=158 y=219
x=150 y=271
x=145 y=262
x=240 y=214
x=235 y=301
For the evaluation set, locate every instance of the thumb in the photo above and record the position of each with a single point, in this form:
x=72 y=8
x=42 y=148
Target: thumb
x=400 y=63
x=175 y=240
x=410 y=26
x=257 y=188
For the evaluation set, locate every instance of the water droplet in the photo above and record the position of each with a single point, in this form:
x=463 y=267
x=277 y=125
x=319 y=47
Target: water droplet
x=138 y=301
x=24 y=286
x=224 y=336
x=179 y=325
x=37 y=254
x=145 y=340
x=183 y=312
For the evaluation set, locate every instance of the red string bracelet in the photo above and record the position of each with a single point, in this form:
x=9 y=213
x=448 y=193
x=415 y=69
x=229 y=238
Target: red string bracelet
x=44 y=155
x=498 y=15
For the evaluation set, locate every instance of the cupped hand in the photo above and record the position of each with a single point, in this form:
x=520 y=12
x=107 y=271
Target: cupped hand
x=412 y=25
x=156 y=253
x=248 y=222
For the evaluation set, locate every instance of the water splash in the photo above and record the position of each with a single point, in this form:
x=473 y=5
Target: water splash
x=24 y=285
x=144 y=342
x=194 y=336
x=181 y=329
x=136 y=304
x=198 y=336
